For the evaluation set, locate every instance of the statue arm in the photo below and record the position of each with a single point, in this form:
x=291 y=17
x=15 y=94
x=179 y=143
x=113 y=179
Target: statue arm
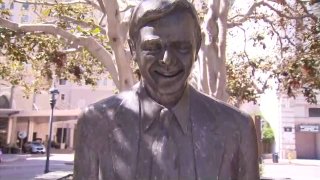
x=248 y=157
x=86 y=164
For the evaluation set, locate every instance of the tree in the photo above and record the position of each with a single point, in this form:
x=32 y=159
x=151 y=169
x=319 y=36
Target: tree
x=95 y=33
x=286 y=35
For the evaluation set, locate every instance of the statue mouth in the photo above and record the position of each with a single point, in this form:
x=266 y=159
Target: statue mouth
x=169 y=74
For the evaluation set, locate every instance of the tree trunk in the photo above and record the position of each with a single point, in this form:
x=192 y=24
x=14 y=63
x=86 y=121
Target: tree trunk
x=210 y=71
x=117 y=39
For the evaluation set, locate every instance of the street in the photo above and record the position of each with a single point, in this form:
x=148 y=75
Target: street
x=296 y=169
x=34 y=165
x=292 y=171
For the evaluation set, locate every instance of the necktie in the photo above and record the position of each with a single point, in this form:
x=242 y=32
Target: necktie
x=164 y=149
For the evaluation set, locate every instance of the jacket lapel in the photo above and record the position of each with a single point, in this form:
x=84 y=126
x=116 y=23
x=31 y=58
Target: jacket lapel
x=207 y=139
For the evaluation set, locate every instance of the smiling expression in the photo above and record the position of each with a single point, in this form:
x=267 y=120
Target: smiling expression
x=165 y=51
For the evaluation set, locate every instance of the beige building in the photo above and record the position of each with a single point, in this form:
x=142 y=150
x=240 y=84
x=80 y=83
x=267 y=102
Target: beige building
x=31 y=115
x=300 y=129
x=295 y=124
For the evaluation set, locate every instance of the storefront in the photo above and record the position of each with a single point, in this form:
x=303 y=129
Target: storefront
x=308 y=141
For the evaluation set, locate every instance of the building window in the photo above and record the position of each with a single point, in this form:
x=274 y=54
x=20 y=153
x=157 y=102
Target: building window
x=3 y=6
x=4 y=102
x=103 y=82
x=25 y=6
x=24 y=18
x=62 y=97
x=314 y=112
x=62 y=81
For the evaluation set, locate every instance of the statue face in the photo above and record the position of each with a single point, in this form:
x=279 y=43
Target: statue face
x=165 y=52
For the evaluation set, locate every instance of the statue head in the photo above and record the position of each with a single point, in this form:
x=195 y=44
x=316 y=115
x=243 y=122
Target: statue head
x=165 y=37
x=150 y=10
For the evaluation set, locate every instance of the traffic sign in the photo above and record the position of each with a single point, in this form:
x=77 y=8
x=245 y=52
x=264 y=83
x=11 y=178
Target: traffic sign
x=22 y=134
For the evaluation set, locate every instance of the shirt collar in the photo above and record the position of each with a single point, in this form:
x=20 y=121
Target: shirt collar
x=180 y=110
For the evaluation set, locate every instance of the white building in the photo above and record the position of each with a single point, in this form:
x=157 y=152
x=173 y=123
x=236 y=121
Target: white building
x=300 y=129
x=31 y=115
x=295 y=124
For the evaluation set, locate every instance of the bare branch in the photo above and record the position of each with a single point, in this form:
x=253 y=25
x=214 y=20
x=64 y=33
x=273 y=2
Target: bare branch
x=245 y=39
x=89 y=43
x=275 y=31
x=82 y=23
x=251 y=10
x=285 y=16
x=101 y=19
x=50 y=3
x=88 y=2
x=127 y=8
x=103 y=8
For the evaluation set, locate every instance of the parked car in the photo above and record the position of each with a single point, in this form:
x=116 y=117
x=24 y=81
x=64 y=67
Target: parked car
x=0 y=155
x=34 y=147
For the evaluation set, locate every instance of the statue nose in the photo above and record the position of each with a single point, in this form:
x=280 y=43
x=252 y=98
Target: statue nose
x=167 y=58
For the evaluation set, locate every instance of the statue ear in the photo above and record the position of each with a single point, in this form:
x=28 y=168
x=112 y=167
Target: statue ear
x=132 y=49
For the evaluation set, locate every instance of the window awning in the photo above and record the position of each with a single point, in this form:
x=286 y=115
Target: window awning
x=40 y=113
x=46 y=113
x=8 y=112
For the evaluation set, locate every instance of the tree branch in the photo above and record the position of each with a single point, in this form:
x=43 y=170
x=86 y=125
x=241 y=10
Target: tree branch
x=249 y=12
x=127 y=8
x=247 y=15
x=96 y=49
x=101 y=19
x=82 y=23
x=278 y=34
x=103 y=8
x=118 y=38
x=88 y=2
x=285 y=16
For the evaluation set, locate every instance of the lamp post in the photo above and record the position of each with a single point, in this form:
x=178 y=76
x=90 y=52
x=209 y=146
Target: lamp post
x=54 y=92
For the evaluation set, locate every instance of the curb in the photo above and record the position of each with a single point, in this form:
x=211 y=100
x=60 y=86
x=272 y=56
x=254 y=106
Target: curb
x=292 y=163
x=69 y=163
x=13 y=158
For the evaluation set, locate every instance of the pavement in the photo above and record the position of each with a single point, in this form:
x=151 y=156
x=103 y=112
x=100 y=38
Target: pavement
x=273 y=170
x=295 y=169
x=55 y=175
x=300 y=162
x=13 y=157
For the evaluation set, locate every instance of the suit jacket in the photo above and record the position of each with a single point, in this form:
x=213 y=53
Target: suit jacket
x=107 y=140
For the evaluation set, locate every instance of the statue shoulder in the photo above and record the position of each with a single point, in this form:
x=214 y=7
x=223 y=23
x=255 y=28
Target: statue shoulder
x=106 y=105
x=222 y=108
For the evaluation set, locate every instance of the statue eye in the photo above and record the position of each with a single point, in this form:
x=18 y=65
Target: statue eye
x=152 y=47
x=183 y=47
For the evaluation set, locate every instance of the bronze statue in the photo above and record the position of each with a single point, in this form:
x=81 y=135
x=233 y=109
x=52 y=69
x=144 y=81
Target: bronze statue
x=164 y=129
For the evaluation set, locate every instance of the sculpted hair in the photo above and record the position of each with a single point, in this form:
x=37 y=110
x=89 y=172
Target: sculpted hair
x=151 y=10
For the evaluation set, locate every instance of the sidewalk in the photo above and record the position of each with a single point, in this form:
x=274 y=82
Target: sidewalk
x=13 y=157
x=61 y=151
x=296 y=169
x=300 y=162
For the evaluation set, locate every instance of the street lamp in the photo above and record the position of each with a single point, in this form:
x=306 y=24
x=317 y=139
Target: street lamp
x=54 y=92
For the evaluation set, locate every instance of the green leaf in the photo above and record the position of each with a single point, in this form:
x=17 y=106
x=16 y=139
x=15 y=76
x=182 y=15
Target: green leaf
x=95 y=31
x=46 y=12
x=79 y=29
